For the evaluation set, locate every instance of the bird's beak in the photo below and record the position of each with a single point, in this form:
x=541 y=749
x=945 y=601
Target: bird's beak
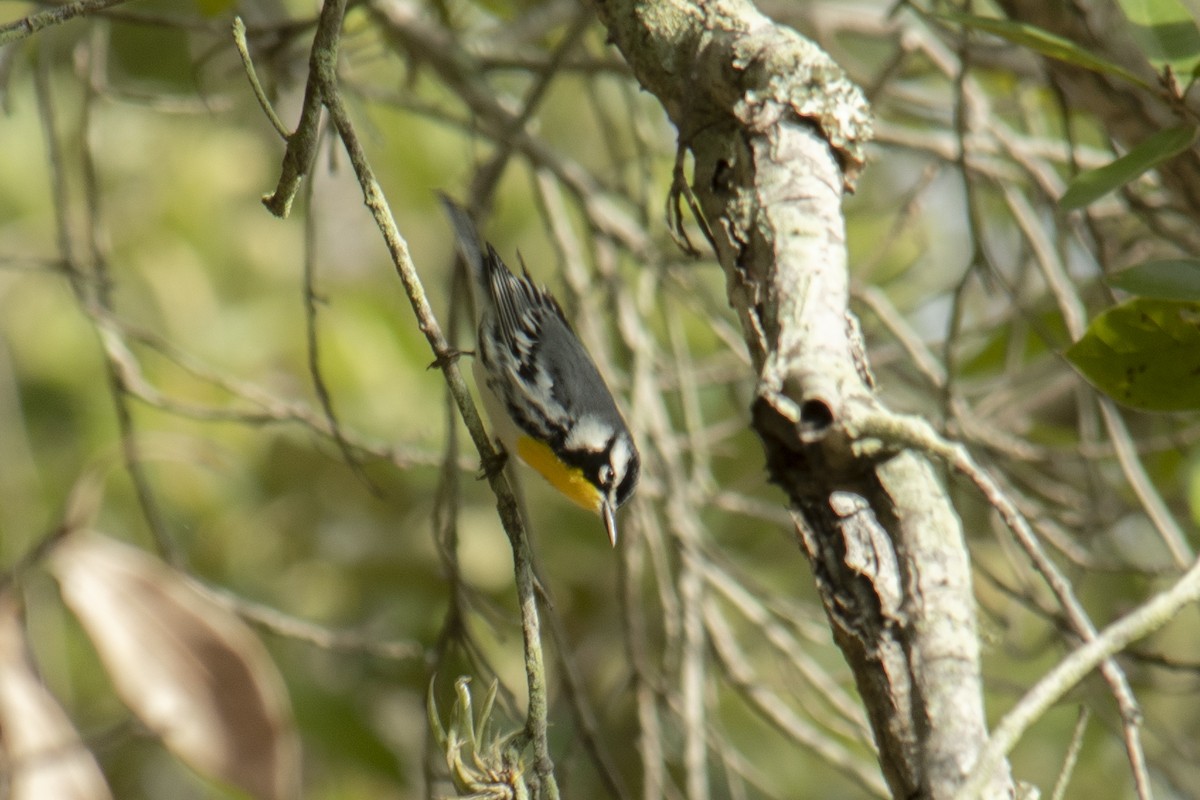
x=610 y=520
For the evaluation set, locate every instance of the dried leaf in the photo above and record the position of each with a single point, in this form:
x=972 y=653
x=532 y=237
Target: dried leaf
x=44 y=754
x=188 y=668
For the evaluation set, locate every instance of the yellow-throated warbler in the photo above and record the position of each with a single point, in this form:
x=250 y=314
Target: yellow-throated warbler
x=544 y=395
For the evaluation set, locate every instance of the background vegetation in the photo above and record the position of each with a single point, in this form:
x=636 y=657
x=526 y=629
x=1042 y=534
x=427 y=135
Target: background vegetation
x=256 y=395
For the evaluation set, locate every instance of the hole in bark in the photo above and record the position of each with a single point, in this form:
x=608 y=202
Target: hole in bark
x=721 y=176
x=815 y=416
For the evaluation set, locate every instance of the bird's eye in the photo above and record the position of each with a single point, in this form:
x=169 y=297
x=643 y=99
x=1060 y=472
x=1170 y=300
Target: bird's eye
x=606 y=475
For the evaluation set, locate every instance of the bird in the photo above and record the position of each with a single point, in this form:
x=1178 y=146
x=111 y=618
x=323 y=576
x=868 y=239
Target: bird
x=546 y=400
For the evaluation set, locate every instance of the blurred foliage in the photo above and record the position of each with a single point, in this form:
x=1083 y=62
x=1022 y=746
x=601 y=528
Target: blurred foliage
x=1143 y=353
x=147 y=199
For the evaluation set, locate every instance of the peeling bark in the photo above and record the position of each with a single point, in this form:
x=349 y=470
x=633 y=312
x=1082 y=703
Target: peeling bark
x=776 y=131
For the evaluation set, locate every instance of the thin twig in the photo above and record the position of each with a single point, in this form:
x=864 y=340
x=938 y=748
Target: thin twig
x=576 y=694
x=322 y=89
x=1074 y=316
x=301 y=630
x=1072 y=756
x=651 y=737
x=1135 y=472
x=488 y=176
x=1071 y=308
x=895 y=429
x=92 y=297
x=1141 y=622
x=239 y=40
x=847 y=719
x=738 y=670
x=27 y=26
x=302 y=143
x=312 y=341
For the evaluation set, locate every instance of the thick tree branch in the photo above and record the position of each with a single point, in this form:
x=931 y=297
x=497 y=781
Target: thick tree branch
x=776 y=131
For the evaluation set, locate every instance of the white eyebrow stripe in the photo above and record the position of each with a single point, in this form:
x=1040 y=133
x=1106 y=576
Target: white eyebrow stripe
x=589 y=433
x=622 y=449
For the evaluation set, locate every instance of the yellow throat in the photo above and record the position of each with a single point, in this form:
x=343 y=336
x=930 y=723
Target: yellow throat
x=568 y=480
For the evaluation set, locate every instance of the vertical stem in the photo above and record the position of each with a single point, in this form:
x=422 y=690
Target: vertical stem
x=535 y=665
x=536 y=725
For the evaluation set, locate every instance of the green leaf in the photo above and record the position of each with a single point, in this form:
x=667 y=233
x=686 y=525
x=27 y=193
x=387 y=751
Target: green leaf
x=1089 y=186
x=1193 y=489
x=1170 y=279
x=1166 y=32
x=1144 y=354
x=1044 y=42
x=214 y=8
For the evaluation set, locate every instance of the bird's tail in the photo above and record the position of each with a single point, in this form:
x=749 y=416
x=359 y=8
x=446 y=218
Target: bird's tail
x=468 y=240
